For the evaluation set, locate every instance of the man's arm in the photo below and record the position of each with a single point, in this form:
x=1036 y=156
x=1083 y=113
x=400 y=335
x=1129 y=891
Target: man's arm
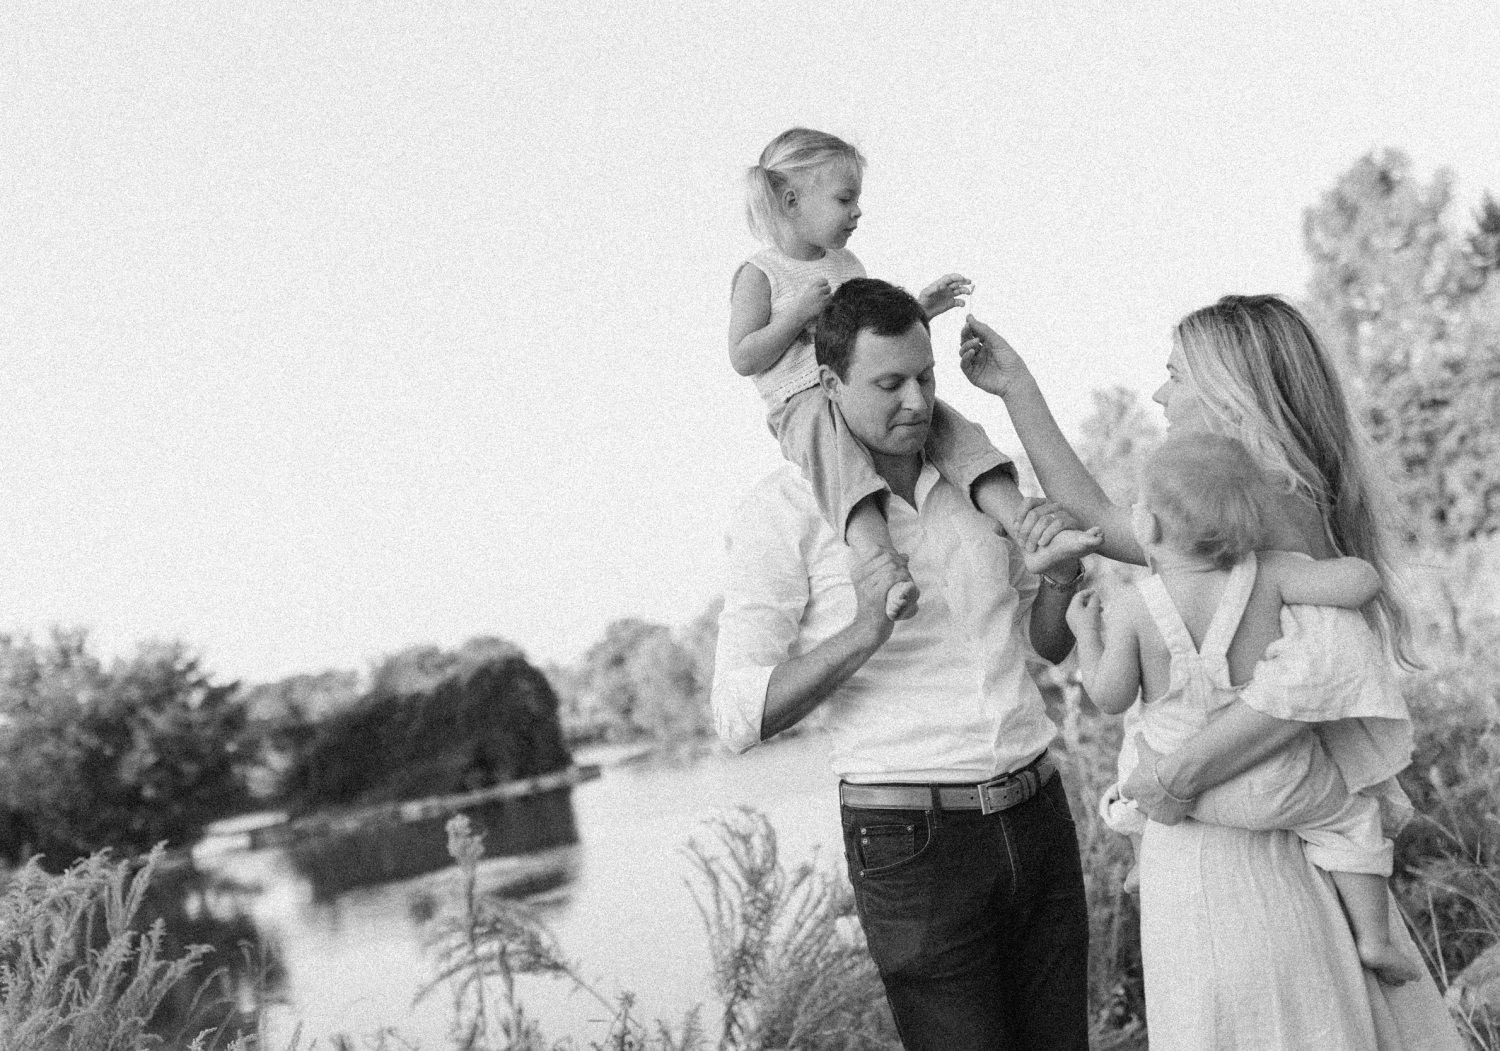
x=759 y=688
x=1050 y=635
x=799 y=684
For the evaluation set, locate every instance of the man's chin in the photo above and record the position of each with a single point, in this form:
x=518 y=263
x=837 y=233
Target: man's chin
x=905 y=441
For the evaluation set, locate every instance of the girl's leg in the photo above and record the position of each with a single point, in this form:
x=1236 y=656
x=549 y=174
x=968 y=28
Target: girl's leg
x=844 y=482
x=867 y=531
x=962 y=453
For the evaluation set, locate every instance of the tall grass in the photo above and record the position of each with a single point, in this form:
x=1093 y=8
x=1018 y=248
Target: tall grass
x=75 y=972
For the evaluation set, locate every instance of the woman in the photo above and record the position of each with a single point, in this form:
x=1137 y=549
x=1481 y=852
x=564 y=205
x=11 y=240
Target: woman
x=1243 y=940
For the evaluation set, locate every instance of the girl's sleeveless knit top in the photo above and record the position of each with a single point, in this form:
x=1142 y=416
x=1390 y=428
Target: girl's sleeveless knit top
x=797 y=369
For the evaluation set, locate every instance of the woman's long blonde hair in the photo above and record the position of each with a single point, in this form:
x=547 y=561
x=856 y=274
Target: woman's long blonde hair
x=1266 y=379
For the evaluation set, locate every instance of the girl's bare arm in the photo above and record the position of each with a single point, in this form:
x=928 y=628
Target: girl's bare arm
x=755 y=341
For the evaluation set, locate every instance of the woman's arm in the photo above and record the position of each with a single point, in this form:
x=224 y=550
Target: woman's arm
x=992 y=365
x=756 y=341
x=1165 y=785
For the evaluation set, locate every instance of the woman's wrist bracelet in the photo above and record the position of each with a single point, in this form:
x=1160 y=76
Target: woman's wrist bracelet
x=1156 y=774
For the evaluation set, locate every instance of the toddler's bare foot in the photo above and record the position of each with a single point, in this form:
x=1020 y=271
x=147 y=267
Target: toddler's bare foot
x=1132 y=880
x=1389 y=965
x=901 y=601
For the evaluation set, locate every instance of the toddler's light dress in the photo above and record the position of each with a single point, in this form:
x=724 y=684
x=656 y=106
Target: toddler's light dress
x=1298 y=788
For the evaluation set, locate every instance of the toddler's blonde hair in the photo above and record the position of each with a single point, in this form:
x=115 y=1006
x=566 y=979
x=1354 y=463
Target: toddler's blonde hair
x=794 y=154
x=1211 y=496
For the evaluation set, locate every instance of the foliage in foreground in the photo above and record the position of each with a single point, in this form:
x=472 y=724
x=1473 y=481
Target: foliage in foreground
x=75 y=973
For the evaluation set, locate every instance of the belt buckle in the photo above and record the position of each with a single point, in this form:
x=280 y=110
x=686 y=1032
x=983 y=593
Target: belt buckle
x=1007 y=782
x=985 y=807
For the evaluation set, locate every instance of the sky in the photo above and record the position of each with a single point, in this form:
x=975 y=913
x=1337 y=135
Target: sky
x=332 y=329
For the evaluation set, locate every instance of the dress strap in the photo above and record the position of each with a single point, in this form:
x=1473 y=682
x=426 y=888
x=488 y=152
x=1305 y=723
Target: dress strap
x=1164 y=612
x=1226 y=619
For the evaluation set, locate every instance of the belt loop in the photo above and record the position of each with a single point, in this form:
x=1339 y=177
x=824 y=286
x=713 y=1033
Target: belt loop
x=937 y=802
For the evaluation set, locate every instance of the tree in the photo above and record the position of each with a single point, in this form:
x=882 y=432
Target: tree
x=144 y=750
x=643 y=678
x=1406 y=302
x=1115 y=441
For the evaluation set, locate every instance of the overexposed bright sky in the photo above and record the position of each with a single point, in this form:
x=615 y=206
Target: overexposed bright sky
x=333 y=328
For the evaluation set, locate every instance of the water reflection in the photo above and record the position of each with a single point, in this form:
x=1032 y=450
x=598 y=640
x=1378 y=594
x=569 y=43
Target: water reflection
x=352 y=960
x=242 y=968
x=395 y=850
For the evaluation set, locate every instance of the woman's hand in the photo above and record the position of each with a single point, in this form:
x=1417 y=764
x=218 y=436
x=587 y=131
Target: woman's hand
x=1146 y=788
x=990 y=363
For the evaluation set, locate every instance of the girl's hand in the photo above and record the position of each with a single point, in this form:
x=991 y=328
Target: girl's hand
x=989 y=362
x=1085 y=614
x=810 y=303
x=943 y=294
x=1143 y=786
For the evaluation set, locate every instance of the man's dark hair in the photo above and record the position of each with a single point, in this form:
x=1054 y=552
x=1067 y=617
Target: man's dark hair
x=860 y=304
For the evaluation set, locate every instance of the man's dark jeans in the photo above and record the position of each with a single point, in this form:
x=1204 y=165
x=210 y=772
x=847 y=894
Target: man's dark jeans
x=977 y=923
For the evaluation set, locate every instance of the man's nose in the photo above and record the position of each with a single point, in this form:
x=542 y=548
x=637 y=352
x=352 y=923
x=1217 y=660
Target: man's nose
x=913 y=397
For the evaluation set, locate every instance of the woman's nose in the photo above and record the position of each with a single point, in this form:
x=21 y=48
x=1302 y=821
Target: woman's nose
x=1160 y=396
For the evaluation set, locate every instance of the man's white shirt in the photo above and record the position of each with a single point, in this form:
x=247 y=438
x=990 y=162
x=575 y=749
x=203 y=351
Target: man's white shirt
x=947 y=698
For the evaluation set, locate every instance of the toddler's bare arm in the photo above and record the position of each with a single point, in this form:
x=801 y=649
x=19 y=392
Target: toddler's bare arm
x=1346 y=582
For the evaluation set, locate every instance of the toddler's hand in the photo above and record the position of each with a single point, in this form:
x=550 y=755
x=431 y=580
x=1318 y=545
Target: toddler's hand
x=942 y=294
x=988 y=361
x=1085 y=613
x=811 y=301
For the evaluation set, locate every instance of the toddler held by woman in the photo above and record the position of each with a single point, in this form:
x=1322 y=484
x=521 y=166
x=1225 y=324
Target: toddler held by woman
x=1189 y=639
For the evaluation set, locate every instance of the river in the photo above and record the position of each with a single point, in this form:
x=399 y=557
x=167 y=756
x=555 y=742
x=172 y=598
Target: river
x=623 y=913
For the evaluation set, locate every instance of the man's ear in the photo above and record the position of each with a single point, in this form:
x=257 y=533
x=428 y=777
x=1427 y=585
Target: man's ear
x=833 y=387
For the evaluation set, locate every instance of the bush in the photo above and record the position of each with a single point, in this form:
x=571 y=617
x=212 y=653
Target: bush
x=1446 y=861
x=477 y=727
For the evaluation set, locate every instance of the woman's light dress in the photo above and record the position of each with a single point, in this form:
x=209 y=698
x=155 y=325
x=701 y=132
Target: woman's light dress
x=1244 y=943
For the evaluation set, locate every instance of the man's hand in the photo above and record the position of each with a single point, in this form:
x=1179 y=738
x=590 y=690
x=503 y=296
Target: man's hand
x=1086 y=614
x=1143 y=786
x=812 y=299
x=942 y=295
x=874 y=575
x=1050 y=537
x=990 y=363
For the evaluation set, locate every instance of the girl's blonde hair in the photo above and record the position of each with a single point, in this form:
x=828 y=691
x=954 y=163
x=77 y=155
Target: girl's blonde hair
x=792 y=155
x=1265 y=378
x=1211 y=496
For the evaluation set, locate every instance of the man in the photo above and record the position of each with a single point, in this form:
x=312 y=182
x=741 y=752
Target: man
x=956 y=827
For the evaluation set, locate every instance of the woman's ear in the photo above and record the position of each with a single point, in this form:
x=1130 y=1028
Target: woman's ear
x=789 y=198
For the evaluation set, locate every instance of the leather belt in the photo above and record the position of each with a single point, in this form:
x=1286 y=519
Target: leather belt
x=989 y=797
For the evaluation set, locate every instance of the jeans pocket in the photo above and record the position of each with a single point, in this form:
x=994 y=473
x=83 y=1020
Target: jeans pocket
x=885 y=847
x=1054 y=799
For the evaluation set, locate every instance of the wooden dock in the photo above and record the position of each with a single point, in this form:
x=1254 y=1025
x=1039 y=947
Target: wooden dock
x=343 y=822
